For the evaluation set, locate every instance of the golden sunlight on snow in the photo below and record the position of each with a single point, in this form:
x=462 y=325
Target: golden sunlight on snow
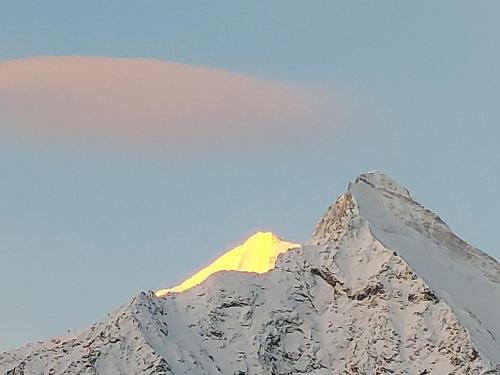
x=258 y=254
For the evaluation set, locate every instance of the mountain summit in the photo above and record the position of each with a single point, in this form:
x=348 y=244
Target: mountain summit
x=258 y=254
x=382 y=286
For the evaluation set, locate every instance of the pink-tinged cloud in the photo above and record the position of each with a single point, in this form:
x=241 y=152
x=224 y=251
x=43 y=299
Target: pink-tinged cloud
x=141 y=101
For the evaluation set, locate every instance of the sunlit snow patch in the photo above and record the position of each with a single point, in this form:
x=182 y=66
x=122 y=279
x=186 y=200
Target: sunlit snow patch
x=257 y=254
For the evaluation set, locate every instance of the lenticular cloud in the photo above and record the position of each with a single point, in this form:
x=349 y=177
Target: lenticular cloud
x=141 y=101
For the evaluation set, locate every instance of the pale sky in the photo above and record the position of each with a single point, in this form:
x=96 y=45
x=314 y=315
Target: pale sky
x=201 y=123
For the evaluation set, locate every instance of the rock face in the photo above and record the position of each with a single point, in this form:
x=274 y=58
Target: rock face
x=383 y=286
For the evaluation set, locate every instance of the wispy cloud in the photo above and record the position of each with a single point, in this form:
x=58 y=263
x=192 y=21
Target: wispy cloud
x=149 y=102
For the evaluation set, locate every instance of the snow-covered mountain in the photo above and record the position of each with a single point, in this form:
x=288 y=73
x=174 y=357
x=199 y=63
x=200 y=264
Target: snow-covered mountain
x=383 y=286
x=258 y=254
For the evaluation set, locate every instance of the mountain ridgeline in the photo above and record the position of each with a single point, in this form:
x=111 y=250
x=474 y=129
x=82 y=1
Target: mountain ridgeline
x=382 y=287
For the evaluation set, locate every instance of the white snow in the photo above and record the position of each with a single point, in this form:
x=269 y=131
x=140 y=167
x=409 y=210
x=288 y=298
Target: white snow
x=383 y=286
x=459 y=279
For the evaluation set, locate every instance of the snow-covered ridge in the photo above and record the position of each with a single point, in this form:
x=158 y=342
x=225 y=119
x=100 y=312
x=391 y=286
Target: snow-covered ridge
x=465 y=277
x=381 y=181
x=257 y=254
x=383 y=286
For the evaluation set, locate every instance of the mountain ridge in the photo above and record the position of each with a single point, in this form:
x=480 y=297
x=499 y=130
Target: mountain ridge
x=257 y=254
x=382 y=286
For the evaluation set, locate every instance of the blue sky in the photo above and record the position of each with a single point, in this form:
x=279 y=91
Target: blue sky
x=85 y=227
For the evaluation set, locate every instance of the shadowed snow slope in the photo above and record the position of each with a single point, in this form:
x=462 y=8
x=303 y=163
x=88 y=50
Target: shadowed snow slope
x=383 y=286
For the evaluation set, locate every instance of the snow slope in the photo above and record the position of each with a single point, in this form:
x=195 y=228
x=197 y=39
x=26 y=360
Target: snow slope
x=258 y=254
x=466 y=278
x=383 y=286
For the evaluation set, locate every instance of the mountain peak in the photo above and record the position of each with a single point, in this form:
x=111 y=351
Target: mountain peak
x=257 y=254
x=259 y=237
x=383 y=286
x=381 y=181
